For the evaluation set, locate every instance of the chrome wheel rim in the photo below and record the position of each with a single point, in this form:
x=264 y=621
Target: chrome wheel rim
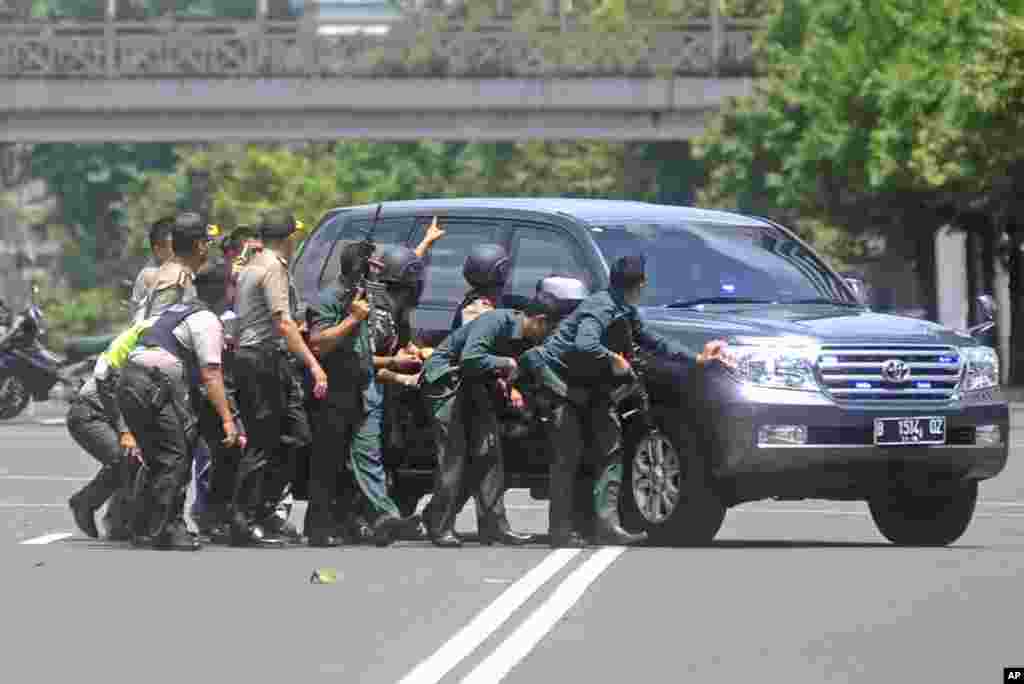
x=657 y=476
x=12 y=392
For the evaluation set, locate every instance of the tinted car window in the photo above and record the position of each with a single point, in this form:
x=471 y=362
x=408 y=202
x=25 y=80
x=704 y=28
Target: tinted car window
x=388 y=231
x=693 y=261
x=540 y=252
x=444 y=282
x=314 y=251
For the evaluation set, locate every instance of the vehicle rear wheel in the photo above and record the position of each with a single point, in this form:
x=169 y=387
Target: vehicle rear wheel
x=908 y=519
x=14 y=396
x=666 y=491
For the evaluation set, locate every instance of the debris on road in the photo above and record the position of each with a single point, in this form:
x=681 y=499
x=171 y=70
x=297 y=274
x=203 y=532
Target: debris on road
x=324 y=576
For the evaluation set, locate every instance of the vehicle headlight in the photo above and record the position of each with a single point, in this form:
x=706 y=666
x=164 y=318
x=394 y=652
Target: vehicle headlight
x=777 y=362
x=982 y=368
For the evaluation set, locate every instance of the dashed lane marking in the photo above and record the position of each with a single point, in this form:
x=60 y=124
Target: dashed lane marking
x=489 y=619
x=494 y=668
x=48 y=538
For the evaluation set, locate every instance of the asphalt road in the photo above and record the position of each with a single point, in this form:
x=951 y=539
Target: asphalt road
x=791 y=592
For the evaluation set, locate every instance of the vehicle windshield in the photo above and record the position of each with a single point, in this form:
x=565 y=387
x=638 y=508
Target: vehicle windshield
x=697 y=262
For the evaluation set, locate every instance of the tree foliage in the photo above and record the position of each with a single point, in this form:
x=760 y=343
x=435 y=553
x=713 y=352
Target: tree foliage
x=89 y=183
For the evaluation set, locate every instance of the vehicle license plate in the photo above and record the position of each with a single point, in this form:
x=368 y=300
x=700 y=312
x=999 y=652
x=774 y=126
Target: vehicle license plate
x=922 y=430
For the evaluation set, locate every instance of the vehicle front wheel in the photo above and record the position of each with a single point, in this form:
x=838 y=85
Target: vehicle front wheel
x=925 y=520
x=666 y=491
x=14 y=396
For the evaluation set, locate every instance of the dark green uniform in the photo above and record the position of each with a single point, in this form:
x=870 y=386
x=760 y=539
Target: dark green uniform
x=351 y=418
x=459 y=383
x=573 y=369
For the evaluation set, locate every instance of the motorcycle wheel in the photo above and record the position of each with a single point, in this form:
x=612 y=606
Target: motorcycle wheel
x=14 y=396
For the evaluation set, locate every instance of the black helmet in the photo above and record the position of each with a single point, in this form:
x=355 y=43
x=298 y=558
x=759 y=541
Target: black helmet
x=399 y=265
x=487 y=266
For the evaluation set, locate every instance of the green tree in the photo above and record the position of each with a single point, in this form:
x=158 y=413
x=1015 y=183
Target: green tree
x=89 y=183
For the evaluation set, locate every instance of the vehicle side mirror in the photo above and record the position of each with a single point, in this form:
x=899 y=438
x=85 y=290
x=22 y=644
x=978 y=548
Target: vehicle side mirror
x=858 y=285
x=988 y=307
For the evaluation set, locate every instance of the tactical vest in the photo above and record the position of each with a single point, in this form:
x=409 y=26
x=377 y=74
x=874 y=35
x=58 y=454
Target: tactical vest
x=470 y=297
x=161 y=334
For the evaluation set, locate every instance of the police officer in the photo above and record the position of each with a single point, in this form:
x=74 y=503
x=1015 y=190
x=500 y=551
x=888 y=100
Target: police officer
x=174 y=280
x=214 y=464
x=486 y=271
x=179 y=354
x=269 y=388
x=341 y=342
x=160 y=244
x=575 y=371
x=371 y=347
x=97 y=426
x=468 y=374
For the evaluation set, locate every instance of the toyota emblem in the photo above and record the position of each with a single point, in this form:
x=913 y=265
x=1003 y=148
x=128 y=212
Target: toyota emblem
x=895 y=370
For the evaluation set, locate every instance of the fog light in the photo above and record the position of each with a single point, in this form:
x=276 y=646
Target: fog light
x=779 y=435
x=988 y=435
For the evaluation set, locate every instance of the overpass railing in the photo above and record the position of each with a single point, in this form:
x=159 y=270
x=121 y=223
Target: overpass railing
x=176 y=48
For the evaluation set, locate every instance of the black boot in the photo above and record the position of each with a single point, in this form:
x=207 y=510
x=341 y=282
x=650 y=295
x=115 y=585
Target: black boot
x=567 y=540
x=607 y=529
x=446 y=540
x=84 y=514
x=388 y=527
x=500 y=532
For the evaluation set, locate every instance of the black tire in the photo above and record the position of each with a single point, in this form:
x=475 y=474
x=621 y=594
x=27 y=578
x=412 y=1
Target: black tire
x=697 y=513
x=913 y=520
x=14 y=396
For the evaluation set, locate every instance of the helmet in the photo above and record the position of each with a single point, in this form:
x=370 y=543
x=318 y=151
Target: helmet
x=566 y=291
x=399 y=265
x=487 y=266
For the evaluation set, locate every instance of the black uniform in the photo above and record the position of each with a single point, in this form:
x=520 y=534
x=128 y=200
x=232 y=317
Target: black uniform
x=157 y=410
x=462 y=392
x=574 y=373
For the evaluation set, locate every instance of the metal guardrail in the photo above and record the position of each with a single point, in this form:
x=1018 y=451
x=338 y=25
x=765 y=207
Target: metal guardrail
x=223 y=49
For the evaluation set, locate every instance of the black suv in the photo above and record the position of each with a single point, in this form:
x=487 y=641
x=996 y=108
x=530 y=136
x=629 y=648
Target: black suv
x=828 y=400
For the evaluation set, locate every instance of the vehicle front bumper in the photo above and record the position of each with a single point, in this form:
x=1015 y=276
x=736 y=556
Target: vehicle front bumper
x=840 y=447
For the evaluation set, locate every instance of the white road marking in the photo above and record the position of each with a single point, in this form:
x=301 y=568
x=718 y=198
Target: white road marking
x=496 y=580
x=489 y=619
x=532 y=630
x=45 y=478
x=48 y=538
x=32 y=505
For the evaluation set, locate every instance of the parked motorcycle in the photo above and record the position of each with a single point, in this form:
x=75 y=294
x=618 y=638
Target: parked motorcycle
x=28 y=370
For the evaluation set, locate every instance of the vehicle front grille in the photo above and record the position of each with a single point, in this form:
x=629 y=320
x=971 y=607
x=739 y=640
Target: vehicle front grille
x=858 y=373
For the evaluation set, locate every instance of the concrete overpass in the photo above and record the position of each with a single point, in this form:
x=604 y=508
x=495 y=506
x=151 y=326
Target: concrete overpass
x=174 y=80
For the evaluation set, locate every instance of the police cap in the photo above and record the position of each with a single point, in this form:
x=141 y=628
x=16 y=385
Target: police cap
x=277 y=225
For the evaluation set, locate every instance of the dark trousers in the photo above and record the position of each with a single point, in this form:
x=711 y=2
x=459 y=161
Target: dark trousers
x=469 y=457
x=574 y=430
x=334 y=428
x=270 y=399
x=155 y=417
x=223 y=466
x=92 y=431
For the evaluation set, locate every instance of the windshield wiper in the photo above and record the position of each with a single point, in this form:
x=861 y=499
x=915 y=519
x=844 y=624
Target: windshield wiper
x=683 y=303
x=821 y=300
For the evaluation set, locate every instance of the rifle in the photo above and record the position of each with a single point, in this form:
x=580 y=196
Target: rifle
x=362 y=275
